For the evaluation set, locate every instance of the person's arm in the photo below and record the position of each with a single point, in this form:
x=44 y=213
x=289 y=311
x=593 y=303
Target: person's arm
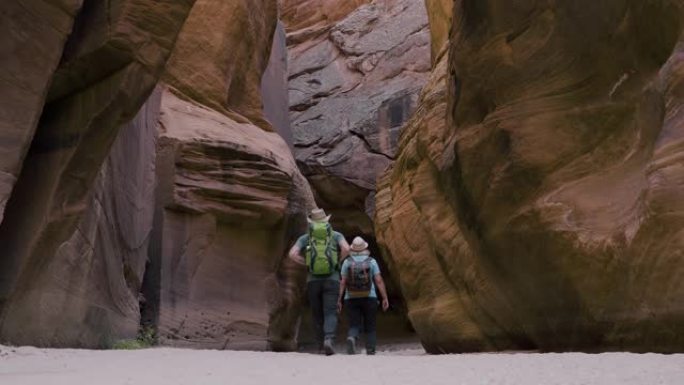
x=343 y=286
x=295 y=253
x=380 y=284
x=344 y=248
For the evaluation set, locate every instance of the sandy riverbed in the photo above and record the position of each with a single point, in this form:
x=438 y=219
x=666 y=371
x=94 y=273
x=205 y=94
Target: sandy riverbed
x=164 y=366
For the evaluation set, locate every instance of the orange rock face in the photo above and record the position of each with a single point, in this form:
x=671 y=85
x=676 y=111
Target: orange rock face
x=230 y=196
x=537 y=196
x=313 y=17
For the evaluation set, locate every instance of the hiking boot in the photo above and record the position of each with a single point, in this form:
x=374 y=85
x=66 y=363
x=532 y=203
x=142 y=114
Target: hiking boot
x=328 y=347
x=370 y=351
x=351 y=345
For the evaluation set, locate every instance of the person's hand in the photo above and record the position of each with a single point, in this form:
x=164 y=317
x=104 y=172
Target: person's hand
x=385 y=304
x=339 y=307
x=298 y=259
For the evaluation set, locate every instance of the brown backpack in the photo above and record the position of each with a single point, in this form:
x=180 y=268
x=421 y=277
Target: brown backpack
x=359 y=278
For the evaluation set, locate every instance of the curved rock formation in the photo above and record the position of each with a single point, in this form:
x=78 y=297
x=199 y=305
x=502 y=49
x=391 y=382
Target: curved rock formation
x=34 y=33
x=546 y=210
x=230 y=197
x=109 y=66
x=198 y=181
x=353 y=83
x=90 y=295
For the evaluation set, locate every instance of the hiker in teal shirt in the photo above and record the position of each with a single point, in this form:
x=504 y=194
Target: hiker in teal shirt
x=321 y=250
x=360 y=277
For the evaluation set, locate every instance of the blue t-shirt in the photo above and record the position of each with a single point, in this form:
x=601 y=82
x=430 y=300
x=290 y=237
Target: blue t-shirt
x=303 y=242
x=375 y=269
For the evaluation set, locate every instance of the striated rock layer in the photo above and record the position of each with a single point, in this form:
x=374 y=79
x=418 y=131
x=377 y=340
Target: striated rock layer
x=536 y=201
x=230 y=198
x=355 y=75
x=311 y=18
x=109 y=65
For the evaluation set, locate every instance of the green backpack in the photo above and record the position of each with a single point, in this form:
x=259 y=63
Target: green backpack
x=321 y=254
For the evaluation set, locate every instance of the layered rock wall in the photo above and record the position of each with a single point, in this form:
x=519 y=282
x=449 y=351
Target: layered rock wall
x=355 y=75
x=534 y=204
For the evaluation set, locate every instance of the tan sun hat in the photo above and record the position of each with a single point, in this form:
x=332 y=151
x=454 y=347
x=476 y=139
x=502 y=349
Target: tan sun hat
x=358 y=245
x=318 y=215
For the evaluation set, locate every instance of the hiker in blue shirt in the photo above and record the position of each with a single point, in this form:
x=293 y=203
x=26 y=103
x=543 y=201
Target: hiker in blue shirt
x=321 y=249
x=360 y=277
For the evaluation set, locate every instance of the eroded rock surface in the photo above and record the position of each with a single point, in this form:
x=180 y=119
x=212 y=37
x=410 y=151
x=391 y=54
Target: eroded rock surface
x=230 y=197
x=546 y=211
x=34 y=33
x=90 y=296
x=355 y=76
x=311 y=18
x=109 y=66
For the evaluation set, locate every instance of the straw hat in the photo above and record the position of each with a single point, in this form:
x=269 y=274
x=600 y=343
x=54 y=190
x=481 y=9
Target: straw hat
x=358 y=245
x=318 y=215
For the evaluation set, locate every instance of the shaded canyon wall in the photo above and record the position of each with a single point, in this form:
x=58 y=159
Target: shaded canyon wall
x=89 y=85
x=186 y=210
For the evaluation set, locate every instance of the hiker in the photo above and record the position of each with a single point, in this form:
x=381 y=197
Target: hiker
x=360 y=277
x=321 y=250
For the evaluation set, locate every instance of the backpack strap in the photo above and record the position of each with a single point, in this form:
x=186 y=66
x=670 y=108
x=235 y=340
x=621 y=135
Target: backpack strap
x=312 y=249
x=328 y=249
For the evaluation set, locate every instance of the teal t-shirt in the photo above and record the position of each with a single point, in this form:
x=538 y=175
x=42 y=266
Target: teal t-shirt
x=303 y=242
x=375 y=269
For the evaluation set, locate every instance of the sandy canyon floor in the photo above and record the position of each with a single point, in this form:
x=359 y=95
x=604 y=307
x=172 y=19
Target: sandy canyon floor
x=164 y=366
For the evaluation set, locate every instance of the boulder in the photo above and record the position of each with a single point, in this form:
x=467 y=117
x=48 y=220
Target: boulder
x=544 y=212
x=229 y=199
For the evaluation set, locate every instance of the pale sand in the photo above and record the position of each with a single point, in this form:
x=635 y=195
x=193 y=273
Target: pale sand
x=164 y=366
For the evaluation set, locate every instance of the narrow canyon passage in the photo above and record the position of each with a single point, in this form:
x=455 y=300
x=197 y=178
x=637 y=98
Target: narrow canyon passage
x=159 y=184
x=516 y=167
x=355 y=72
